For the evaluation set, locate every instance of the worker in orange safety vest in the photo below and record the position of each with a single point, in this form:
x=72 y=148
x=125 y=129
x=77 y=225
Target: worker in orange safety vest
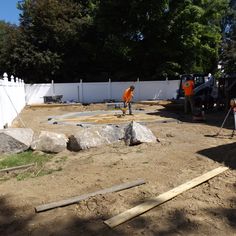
x=188 y=87
x=127 y=98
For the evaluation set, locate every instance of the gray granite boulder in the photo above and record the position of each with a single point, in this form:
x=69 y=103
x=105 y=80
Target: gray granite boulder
x=49 y=142
x=15 y=140
x=136 y=133
x=95 y=136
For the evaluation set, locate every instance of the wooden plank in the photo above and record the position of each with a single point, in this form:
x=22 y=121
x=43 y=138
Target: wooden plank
x=17 y=167
x=146 y=206
x=73 y=200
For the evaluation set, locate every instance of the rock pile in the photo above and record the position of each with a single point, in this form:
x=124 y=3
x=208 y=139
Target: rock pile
x=15 y=140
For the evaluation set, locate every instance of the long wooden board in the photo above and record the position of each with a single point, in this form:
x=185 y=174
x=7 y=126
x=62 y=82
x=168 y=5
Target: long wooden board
x=73 y=200
x=17 y=167
x=148 y=205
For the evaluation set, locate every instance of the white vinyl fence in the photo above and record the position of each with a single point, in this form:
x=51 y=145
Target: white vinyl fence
x=12 y=99
x=14 y=94
x=101 y=91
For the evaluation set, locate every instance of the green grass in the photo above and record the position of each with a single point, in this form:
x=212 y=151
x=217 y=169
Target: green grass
x=38 y=173
x=23 y=159
x=29 y=157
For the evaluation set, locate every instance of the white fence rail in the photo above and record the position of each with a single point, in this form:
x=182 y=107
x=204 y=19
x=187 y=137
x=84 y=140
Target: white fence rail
x=12 y=99
x=14 y=94
x=100 y=92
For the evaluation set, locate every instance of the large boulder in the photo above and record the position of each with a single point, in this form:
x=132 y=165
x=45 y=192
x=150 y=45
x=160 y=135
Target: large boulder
x=95 y=136
x=15 y=140
x=50 y=142
x=136 y=133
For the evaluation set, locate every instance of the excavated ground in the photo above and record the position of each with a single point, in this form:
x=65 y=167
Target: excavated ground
x=186 y=150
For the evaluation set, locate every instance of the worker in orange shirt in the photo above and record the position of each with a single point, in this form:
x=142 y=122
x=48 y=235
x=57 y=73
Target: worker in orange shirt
x=188 y=87
x=127 y=97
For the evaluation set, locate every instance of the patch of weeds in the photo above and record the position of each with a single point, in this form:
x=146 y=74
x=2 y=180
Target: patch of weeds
x=145 y=162
x=23 y=176
x=25 y=158
x=48 y=172
x=4 y=179
x=36 y=173
x=61 y=159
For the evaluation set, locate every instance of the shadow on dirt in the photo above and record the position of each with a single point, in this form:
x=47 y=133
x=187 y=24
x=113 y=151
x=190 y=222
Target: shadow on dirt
x=223 y=154
x=92 y=226
x=176 y=221
x=228 y=213
x=166 y=114
x=213 y=117
x=17 y=222
x=10 y=222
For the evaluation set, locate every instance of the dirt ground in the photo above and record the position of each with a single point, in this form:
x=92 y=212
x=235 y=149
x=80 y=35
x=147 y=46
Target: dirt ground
x=185 y=151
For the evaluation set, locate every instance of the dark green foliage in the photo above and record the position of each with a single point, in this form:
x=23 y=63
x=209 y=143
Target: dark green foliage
x=68 y=40
x=8 y=41
x=228 y=51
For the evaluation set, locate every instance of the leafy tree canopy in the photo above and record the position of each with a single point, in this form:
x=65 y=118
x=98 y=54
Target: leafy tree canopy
x=68 y=40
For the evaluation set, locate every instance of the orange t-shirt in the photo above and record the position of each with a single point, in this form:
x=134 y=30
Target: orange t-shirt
x=188 y=87
x=128 y=95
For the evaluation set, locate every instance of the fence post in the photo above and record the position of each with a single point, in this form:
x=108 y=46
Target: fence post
x=138 y=90
x=5 y=78
x=53 y=88
x=12 y=79
x=3 y=99
x=166 y=90
x=1 y=104
x=81 y=95
x=109 y=90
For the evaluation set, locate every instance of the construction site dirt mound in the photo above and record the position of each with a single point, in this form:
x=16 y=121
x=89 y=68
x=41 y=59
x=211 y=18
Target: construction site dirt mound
x=185 y=151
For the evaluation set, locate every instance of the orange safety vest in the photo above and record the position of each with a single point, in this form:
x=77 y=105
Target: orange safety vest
x=128 y=95
x=188 y=87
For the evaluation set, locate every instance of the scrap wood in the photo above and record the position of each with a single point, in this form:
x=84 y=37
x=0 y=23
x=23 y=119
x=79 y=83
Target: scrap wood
x=17 y=167
x=148 y=205
x=74 y=200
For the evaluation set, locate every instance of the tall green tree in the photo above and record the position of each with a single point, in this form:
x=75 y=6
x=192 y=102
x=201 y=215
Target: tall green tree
x=53 y=39
x=68 y=40
x=228 y=50
x=195 y=33
x=8 y=42
x=157 y=38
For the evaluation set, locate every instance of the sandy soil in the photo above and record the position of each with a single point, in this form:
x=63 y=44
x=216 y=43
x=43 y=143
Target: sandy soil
x=185 y=151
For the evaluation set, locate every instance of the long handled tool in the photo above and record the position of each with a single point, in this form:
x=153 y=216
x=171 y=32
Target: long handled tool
x=232 y=108
x=222 y=125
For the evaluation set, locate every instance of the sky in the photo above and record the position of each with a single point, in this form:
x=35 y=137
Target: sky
x=9 y=12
